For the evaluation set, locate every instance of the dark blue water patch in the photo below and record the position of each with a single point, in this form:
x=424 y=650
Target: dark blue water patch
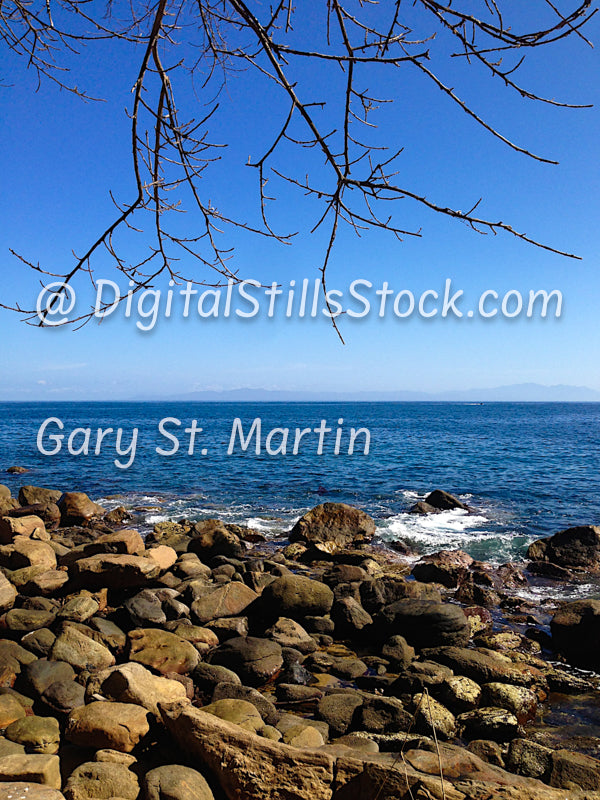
x=528 y=469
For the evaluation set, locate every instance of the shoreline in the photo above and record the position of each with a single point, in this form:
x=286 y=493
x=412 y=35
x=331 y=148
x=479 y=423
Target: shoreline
x=295 y=660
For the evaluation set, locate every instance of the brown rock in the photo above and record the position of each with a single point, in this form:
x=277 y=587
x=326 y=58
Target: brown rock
x=161 y=650
x=574 y=548
x=44 y=769
x=10 y=527
x=34 y=495
x=76 y=508
x=114 y=571
x=334 y=524
x=101 y=780
x=175 y=782
x=117 y=726
x=228 y=600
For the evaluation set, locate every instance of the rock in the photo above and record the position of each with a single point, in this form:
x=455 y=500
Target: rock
x=486 y=667
x=114 y=757
x=133 y=683
x=126 y=542
x=161 y=650
x=576 y=632
x=175 y=782
x=114 y=571
x=8 y=594
x=79 y=608
x=145 y=609
x=233 y=691
x=36 y=734
x=490 y=752
x=79 y=650
x=31 y=495
x=289 y=633
x=211 y=538
x=44 y=769
x=100 y=780
x=63 y=696
x=425 y=623
x=117 y=516
x=421 y=507
x=496 y=724
x=444 y=501
x=519 y=700
x=162 y=555
x=11 y=527
x=255 y=660
x=530 y=759
x=19 y=790
x=112 y=636
x=228 y=600
x=574 y=771
x=203 y=639
x=431 y=715
x=49 y=513
x=448 y=567
x=300 y=695
x=42 y=673
x=26 y=552
x=76 y=508
x=303 y=736
x=333 y=524
x=574 y=548
x=40 y=581
x=348 y=668
x=296 y=596
x=17 y=470
x=238 y=712
x=338 y=709
x=460 y=694
x=382 y=715
x=344 y=573
x=398 y=652
x=349 y=616
x=10 y=710
x=207 y=676
x=25 y=620
x=117 y=726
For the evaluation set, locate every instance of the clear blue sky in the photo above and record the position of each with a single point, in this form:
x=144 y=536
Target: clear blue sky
x=60 y=157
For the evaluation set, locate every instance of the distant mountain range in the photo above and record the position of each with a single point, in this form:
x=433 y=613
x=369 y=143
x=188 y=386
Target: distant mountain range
x=520 y=392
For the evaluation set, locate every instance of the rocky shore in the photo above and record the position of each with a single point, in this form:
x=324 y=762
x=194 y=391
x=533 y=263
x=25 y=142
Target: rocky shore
x=204 y=663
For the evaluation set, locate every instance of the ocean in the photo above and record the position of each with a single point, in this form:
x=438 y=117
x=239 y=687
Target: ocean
x=527 y=469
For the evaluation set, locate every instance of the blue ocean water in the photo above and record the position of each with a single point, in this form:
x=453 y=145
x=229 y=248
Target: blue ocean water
x=528 y=469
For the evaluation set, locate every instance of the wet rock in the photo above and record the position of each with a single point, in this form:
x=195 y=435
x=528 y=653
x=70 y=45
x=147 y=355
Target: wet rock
x=175 y=782
x=511 y=576
x=421 y=507
x=520 y=700
x=486 y=666
x=421 y=675
x=496 y=724
x=460 y=694
x=444 y=501
x=36 y=734
x=100 y=780
x=448 y=567
x=425 y=623
x=295 y=596
x=161 y=650
x=348 y=668
x=117 y=726
x=301 y=695
x=76 y=508
x=574 y=548
x=44 y=769
x=255 y=660
x=229 y=600
x=333 y=524
x=574 y=771
x=238 y=712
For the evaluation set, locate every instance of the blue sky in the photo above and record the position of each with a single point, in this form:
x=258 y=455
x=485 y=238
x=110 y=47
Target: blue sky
x=61 y=157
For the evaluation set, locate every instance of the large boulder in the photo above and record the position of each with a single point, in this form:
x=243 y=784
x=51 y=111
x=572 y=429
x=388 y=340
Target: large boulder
x=49 y=513
x=443 y=501
x=296 y=597
x=254 y=660
x=425 y=623
x=573 y=548
x=32 y=495
x=211 y=537
x=576 y=632
x=114 y=571
x=485 y=666
x=335 y=525
x=117 y=726
x=76 y=508
x=448 y=567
